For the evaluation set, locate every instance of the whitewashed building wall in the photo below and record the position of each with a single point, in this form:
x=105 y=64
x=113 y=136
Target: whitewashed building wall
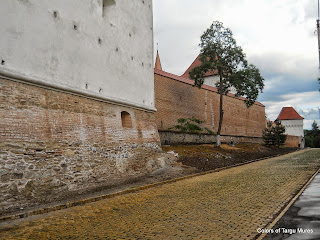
x=100 y=47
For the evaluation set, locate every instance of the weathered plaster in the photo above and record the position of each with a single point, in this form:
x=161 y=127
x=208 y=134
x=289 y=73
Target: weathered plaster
x=293 y=127
x=103 y=51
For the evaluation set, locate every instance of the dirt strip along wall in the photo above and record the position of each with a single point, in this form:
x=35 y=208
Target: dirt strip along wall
x=175 y=99
x=55 y=144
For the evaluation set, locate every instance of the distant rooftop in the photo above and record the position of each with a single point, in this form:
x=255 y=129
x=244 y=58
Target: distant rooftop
x=288 y=113
x=197 y=63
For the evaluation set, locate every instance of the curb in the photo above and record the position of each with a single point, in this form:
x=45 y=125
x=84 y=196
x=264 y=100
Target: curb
x=260 y=236
x=99 y=198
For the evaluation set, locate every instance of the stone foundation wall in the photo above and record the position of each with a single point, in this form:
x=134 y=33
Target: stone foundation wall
x=171 y=138
x=54 y=145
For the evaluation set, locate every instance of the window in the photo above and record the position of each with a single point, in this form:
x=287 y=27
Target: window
x=106 y=4
x=126 y=120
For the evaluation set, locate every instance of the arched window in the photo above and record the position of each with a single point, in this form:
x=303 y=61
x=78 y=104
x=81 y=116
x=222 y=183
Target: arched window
x=126 y=120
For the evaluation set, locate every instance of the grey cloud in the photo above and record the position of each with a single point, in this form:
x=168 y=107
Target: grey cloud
x=310 y=114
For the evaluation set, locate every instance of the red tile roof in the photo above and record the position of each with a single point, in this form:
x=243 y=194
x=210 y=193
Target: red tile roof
x=191 y=82
x=288 y=113
x=197 y=63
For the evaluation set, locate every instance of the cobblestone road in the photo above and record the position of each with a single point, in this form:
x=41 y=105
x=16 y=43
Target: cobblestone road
x=230 y=204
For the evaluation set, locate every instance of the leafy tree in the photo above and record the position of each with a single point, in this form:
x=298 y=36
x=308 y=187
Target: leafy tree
x=220 y=53
x=273 y=135
x=192 y=125
x=312 y=137
x=315 y=126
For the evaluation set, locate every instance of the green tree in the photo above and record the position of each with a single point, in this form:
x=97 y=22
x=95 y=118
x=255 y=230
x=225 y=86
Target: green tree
x=267 y=134
x=274 y=135
x=220 y=53
x=315 y=127
x=312 y=137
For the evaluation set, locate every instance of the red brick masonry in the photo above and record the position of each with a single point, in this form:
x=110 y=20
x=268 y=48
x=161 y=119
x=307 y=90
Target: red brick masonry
x=177 y=98
x=54 y=144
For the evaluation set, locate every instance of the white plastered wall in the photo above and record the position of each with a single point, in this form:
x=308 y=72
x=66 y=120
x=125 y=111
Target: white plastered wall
x=293 y=127
x=212 y=80
x=79 y=45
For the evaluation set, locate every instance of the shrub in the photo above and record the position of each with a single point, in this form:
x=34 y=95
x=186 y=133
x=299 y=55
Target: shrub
x=191 y=125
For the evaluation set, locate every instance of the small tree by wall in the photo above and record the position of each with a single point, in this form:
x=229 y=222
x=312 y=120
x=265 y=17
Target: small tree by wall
x=274 y=135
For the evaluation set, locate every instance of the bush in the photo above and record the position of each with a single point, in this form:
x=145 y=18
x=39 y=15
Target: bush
x=316 y=142
x=312 y=137
x=191 y=125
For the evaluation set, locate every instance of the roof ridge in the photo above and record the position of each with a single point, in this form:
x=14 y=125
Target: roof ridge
x=289 y=113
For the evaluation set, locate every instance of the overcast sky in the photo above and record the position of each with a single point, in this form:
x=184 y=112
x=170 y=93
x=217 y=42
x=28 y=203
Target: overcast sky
x=277 y=36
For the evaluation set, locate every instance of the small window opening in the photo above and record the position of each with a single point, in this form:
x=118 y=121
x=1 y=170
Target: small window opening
x=86 y=85
x=75 y=27
x=126 y=120
x=55 y=14
x=3 y=62
x=99 y=41
x=105 y=5
x=132 y=58
x=100 y=90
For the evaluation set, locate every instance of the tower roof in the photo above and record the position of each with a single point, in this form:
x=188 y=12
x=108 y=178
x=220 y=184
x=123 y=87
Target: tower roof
x=158 y=62
x=197 y=63
x=288 y=113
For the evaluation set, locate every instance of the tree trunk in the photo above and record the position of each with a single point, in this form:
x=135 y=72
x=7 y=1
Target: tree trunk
x=221 y=112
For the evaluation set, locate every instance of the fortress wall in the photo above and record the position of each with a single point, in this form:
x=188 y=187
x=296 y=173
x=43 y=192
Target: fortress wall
x=54 y=145
x=76 y=98
x=175 y=99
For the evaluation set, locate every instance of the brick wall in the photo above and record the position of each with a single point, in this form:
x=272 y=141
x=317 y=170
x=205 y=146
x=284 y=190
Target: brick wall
x=292 y=141
x=54 y=145
x=176 y=99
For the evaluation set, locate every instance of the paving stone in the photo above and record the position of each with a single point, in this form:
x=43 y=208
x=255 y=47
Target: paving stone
x=230 y=204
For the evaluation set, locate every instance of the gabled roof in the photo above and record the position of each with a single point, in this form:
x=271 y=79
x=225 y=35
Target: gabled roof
x=191 y=82
x=197 y=63
x=288 y=113
x=158 y=62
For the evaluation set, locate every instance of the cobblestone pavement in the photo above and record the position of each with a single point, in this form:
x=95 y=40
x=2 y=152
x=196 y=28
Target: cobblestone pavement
x=230 y=204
